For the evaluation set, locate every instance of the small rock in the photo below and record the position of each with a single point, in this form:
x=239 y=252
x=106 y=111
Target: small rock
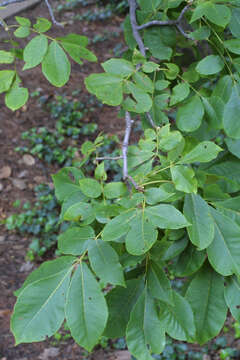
x=2 y=239
x=1 y=186
x=48 y=353
x=39 y=179
x=26 y=267
x=5 y=172
x=28 y=160
x=122 y=355
x=20 y=184
x=22 y=174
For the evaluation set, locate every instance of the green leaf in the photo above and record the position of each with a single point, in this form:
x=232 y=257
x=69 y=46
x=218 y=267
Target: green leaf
x=230 y=208
x=233 y=45
x=180 y=93
x=214 y=108
x=233 y=146
x=178 y=319
x=6 y=79
x=209 y=310
x=161 y=84
x=234 y=24
x=75 y=240
x=64 y=185
x=202 y=33
x=22 y=32
x=115 y=190
x=119 y=226
x=224 y=252
x=86 y=308
x=35 y=51
x=16 y=97
x=143 y=100
x=42 y=25
x=196 y=211
x=36 y=315
x=157 y=195
x=56 y=66
x=170 y=141
x=105 y=263
x=204 y=152
x=165 y=217
x=150 y=67
x=172 y=72
x=79 y=211
x=90 y=187
x=175 y=249
x=23 y=21
x=6 y=57
x=158 y=284
x=210 y=65
x=144 y=328
x=100 y=173
x=141 y=237
x=143 y=81
x=230 y=116
x=120 y=67
x=159 y=41
x=78 y=52
x=106 y=87
x=232 y=293
x=184 y=178
x=190 y=114
x=189 y=261
x=224 y=88
x=147 y=5
x=74 y=39
x=217 y=14
x=120 y=302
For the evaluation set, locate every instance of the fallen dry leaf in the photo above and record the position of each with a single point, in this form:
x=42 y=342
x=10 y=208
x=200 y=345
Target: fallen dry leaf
x=28 y=159
x=5 y=172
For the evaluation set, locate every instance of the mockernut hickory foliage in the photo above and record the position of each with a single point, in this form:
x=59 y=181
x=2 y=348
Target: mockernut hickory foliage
x=181 y=210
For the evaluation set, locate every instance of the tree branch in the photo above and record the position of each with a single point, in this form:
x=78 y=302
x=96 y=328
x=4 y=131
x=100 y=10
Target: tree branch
x=52 y=14
x=125 y=144
x=133 y=20
x=109 y=158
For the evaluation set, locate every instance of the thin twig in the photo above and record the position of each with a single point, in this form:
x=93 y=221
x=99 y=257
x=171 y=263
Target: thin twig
x=109 y=158
x=150 y=120
x=125 y=144
x=52 y=14
x=133 y=20
x=176 y=23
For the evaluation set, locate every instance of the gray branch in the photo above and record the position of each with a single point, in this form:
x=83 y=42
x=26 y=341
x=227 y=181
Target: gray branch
x=176 y=23
x=125 y=144
x=133 y=20
x=109 y=158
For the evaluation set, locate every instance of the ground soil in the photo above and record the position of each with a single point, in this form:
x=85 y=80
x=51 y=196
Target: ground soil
x=12 y=246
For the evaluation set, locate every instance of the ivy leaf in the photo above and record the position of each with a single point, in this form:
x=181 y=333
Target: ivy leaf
x=75 y=240
x=35 y=51
x=144 y=328
x=178 y=319
x=189 y=261
x=90 y=187
x=180 y=93
x=184 y=178
x=190 y=114
x=197 y=212
x=120 y=302
x=230 y=116
x=86 y=308
x=141 y=237
x=107 y=88
x=105 y=263
x=6 y=79
x=165 y=217
x=224 y=252
x=120 y=67
x=42 y=25
x=36 y=315
x=16 y=97
x=210 y=65
x=232 y=296
x=204 y=152
x=56 y=66
x=158 y=284
x=209 y=311
x=6 y=57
